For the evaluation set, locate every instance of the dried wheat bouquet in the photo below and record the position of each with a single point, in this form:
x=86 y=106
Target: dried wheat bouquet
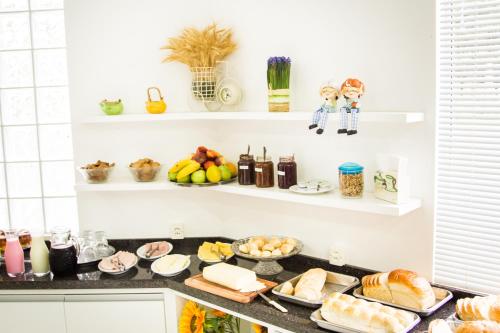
x=200 y=48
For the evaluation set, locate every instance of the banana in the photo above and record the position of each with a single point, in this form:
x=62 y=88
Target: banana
x=179 y=165
x=188 y=169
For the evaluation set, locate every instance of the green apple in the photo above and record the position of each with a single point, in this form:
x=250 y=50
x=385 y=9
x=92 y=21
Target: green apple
x=185 y=180
x=172 y=176
x=198 y=177
x=225 y=172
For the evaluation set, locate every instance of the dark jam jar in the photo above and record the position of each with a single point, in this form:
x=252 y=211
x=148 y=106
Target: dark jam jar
x=287 y=172
x=264 y=172
x=246 y=170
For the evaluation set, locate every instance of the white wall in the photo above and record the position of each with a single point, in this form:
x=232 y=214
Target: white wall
x=114 y=52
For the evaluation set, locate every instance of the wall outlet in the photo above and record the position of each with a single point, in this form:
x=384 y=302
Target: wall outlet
x=177 y=231
x=336 y=256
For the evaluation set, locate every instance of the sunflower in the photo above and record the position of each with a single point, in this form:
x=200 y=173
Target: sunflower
x=192 y=319
x=258 y=329
x=219 y=313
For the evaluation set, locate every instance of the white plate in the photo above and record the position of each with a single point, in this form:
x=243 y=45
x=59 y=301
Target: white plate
x=117 y=272
x=141 y=252
x=301 y=190
x=169 y=274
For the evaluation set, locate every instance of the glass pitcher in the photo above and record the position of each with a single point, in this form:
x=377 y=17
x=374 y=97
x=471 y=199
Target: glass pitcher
x=64 y=251
x=14 y=255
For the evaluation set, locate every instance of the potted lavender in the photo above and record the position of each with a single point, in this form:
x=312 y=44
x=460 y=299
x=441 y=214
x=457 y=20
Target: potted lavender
x=278 y=83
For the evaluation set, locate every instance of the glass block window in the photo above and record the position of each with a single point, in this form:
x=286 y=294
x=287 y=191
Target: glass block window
x=36 y=151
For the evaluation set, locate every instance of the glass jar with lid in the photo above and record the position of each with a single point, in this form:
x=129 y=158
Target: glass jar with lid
x=287 y=172
x=264 y=171
x=351 y=183
x=246 y=170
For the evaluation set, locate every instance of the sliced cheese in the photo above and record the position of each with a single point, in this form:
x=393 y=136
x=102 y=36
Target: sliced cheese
x=233 y=277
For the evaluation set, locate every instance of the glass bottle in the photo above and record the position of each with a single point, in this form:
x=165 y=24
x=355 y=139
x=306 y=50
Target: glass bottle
x=64 y=251
x=287 y=172
x=246 y=170
x=14 y=255
x=351 y=183
x=264 y=172
x=39 y=255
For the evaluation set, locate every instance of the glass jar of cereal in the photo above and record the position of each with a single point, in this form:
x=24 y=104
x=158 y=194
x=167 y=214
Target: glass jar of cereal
x=351 y=182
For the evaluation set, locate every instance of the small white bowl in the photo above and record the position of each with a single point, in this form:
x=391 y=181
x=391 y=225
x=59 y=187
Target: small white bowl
x=117 y=272
x=141 y=252
x=154 y=267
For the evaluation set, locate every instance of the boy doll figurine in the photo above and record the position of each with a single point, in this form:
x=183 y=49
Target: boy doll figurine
x=330 y=95
x=352 y=90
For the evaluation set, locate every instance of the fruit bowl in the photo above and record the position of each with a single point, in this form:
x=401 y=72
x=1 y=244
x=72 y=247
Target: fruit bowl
x=206 y=167
x=267 y=265
x=222 y=182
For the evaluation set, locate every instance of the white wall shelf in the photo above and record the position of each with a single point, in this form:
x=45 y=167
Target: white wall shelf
x=368 y=203
x=389 y=117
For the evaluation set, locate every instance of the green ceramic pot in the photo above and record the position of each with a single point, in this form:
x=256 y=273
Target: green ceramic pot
x=112 y=108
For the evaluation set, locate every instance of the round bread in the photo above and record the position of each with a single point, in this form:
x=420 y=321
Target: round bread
x=286 y=248
x=255 y=253
x=244 y=248
x=268 y=247
x=266 y=253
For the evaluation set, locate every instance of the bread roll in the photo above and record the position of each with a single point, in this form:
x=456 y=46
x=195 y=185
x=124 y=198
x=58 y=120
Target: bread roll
x=377 y=286
x=364 y=316
x=439 y=326
x=276 y=253
x=244 y=248
x=480 y=326
x=409 y=289
x=266 y=254
x=479 y=308
x=268 y=247
x=287 y=288
x=255 y=253
x=286 y=248
x=275 y=242
x=310 y=284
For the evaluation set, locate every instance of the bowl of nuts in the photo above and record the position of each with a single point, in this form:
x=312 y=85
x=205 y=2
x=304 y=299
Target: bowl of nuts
x=97 y=172
x=266 y=250
x=144 y=170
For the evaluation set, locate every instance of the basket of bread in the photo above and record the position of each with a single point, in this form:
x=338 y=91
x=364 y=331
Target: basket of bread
x=266 y=250
x=403 y=289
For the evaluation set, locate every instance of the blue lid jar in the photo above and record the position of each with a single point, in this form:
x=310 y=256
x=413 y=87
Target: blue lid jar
x=350 y=168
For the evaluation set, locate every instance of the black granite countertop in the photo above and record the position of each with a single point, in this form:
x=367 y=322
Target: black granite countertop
x=141 y=276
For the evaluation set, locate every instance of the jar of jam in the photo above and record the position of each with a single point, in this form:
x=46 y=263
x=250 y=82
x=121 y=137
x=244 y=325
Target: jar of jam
x=264 y=171
x=246 y=170
x=287 y=172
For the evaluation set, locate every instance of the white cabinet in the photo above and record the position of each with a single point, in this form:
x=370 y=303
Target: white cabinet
x=31 y=313
x=122 y=313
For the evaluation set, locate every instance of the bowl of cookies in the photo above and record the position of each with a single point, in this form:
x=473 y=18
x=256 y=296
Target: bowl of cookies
x=144 y=170
x=97 y=172
x=267 y=250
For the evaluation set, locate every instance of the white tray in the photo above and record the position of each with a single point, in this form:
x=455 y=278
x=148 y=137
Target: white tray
x=335 y=282
x=318 y=319
x=442 y=297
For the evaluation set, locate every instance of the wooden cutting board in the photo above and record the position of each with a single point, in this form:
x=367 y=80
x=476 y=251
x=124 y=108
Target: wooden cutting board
x=199 y=282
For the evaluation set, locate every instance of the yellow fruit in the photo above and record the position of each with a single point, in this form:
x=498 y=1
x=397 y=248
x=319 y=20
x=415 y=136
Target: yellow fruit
x=179 y=165
x=232 y=168
x=188 y=169
x=214 y=174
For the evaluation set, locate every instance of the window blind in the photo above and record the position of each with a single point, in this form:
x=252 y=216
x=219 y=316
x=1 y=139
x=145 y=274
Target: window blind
x=467 y=237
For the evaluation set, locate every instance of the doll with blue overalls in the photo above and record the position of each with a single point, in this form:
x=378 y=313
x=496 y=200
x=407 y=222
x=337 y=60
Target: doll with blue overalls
x=352 y=90
x=330 y=95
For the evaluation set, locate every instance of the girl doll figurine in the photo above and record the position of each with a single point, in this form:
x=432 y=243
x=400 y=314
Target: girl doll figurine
x=352 y=90
x=330 y=95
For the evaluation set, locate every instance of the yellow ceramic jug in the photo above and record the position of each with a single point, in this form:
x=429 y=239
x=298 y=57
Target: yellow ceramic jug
x=155 y=106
